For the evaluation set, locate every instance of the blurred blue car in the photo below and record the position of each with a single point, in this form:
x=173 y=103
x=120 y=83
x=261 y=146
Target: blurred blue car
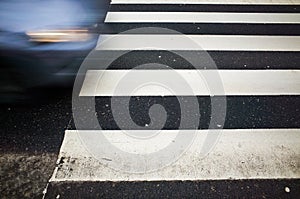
x=43 y=42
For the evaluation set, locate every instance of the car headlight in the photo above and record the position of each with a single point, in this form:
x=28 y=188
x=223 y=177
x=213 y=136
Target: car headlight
x=68 y=35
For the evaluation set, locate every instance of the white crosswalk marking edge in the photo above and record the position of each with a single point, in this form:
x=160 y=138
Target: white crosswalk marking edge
x=202 y=42
x=239 y=154
x=268 y=2
x=234 y=82
x=201 y=17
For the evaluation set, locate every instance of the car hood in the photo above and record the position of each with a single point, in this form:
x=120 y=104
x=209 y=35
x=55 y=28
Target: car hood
x=21 y=16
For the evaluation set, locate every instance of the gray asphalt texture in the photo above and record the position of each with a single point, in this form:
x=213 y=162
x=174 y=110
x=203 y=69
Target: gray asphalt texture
x=30 y=138
x=31 y=133
x=177 y=189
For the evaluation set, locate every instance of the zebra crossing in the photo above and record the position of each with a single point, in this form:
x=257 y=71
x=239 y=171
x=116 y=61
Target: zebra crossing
x=255 y=47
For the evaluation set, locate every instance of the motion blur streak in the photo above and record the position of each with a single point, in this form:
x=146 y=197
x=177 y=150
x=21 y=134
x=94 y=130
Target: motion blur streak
x=20 y=16
x=43 y=43
x=59 y=35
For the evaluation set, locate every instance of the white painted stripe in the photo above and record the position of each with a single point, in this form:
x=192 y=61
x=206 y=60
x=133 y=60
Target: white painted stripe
x=157 y=82
x=238 y=154
x=284 y=2
x=201 y=42
x=201 y=17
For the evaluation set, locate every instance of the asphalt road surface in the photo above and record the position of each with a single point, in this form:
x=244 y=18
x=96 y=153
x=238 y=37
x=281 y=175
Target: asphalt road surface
x=255 y=52
x=31 y=136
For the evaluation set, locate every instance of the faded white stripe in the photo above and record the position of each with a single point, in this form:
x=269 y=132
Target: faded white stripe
x=201 y=42
x=206 y=2
x=238 y=154
x=201 y=17
x=161 y=82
